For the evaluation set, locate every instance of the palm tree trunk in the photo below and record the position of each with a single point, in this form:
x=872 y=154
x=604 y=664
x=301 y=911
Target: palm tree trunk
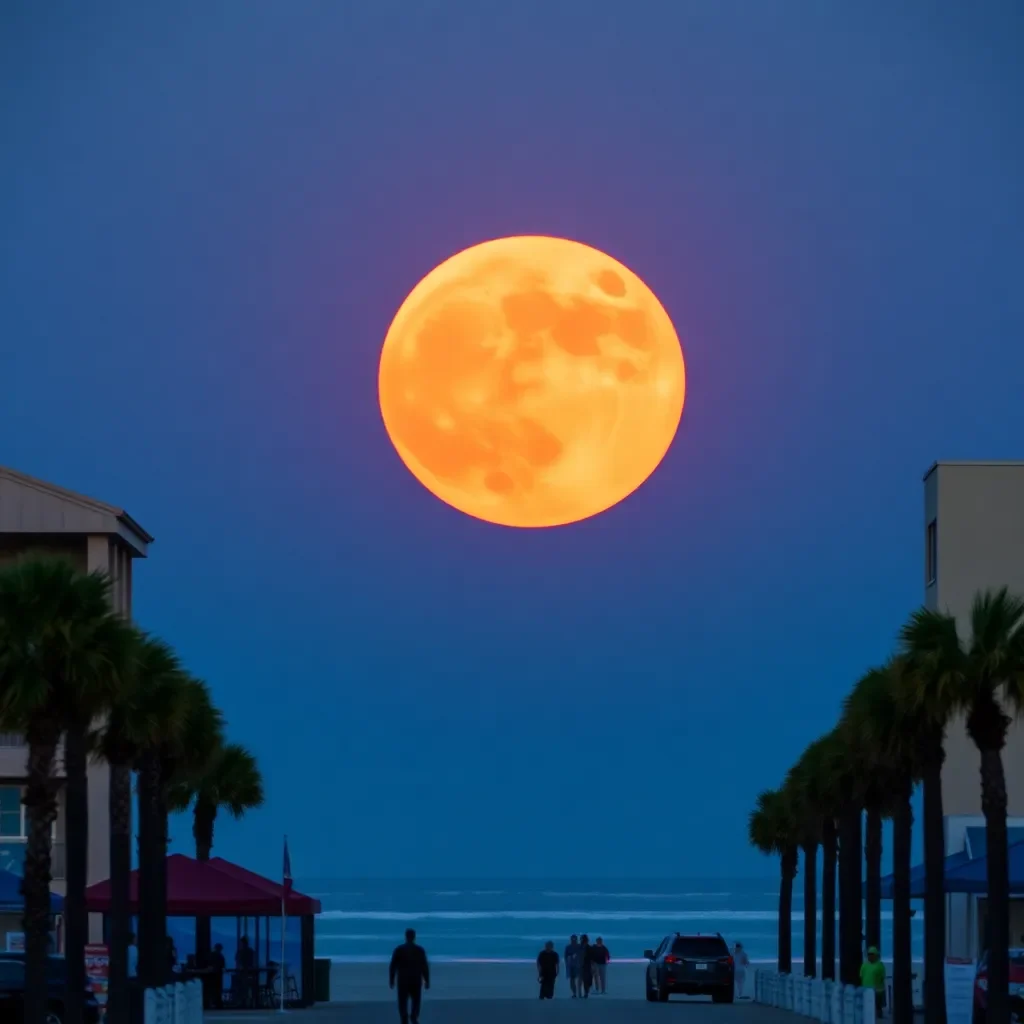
x=203 y=817
x=933 y=755
x=993 y=806
x=120 y=802
x=810 y=910
x=902 y=957
x=152 y=943
x=76 y=918
x=41 y=810
x=161 y=840
x=828 y=899
x=788 y=863
x=850 y=900
x=873 y=877
x=987 y=725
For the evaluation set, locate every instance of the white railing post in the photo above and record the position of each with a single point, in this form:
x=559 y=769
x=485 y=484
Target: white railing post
x=868 y=1005
x=826 y=1001
x=837 y=1003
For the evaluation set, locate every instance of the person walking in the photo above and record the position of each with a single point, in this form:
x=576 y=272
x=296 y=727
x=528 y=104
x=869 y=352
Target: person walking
x=410 y=969
x=572 y=963
x=872 y=975
x=600 y=956
x=547 y=970
x=217 y=965
x=740 y=962
x=586 y=966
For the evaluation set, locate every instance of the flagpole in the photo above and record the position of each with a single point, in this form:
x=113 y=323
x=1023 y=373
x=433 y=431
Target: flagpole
x=281 y=973
x=286 y=872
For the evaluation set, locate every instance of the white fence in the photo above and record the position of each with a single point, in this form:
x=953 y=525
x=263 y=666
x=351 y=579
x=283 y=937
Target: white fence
x=181 y=1003
x=827 y=1001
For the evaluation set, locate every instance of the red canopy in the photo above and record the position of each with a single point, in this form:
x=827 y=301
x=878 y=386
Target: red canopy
x=208 y=889
x=296 y=904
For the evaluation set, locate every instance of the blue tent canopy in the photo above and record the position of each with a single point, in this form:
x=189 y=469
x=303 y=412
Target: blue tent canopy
x=967 y=871
x=977 y=844
x=972 y=877
x=917 y=876
x=11 y=900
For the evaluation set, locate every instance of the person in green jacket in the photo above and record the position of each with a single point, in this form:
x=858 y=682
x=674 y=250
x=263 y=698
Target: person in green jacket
x=872 y=975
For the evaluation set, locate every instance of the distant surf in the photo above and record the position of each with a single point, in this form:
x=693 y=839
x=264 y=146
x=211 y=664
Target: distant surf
x=508 y=920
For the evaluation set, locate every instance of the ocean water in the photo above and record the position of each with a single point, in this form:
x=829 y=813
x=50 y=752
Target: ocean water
x=510 y=920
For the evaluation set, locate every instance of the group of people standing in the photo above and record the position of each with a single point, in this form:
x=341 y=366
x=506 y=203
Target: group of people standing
x=586 y=967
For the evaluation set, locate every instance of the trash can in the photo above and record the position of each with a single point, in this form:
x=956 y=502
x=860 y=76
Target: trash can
x=322 y=980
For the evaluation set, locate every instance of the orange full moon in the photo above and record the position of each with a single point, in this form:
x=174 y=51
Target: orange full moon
x=531 y=381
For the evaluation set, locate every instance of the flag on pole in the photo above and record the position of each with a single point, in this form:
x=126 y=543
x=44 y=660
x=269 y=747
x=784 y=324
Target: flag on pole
x=287 y=870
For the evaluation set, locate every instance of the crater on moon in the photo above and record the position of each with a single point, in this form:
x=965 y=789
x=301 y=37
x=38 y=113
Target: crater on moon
x=531 y=381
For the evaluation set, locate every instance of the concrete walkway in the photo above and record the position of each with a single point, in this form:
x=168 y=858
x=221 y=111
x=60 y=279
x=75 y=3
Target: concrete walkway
x=521 y=1011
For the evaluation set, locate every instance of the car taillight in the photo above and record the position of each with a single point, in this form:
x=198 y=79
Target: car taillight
x=673 y=960
x=725 y=960
x=982 y=983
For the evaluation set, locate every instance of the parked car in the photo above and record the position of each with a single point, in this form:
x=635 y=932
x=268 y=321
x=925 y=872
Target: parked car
x=12 y=991
x=980 y=1012
x=690 y=965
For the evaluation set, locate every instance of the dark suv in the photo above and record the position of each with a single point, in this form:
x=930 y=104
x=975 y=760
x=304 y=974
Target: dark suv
x=692 y=965
x=12 y=990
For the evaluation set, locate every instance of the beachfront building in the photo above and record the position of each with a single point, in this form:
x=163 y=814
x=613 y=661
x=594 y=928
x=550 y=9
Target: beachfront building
x=974 y=540
x=40 y=518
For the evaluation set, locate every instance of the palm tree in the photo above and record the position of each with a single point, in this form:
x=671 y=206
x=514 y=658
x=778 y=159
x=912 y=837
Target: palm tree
x=876 y=796
x=846 y=768
x=147 y=708
x=181 y=751
x=985 y=673
x=829 y=859
x=882 y=706
x=805 y=784
x=932 y=656
x=230 y=780
x=61 y=656
x=772 y=830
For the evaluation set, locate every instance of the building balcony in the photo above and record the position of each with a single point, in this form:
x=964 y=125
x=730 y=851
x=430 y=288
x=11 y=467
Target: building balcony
x=12 y=858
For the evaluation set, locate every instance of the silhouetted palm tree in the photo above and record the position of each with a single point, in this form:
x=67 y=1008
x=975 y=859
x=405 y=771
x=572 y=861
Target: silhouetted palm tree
x=62 y=655
x=806 y=785
x=231 y=779
x=986 y=675
x=882 y=704
x=181 y=751
x=773 y=831
x=148 y=707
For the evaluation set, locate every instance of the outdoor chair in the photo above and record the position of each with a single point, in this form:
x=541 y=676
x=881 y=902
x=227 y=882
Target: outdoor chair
x=268 y=998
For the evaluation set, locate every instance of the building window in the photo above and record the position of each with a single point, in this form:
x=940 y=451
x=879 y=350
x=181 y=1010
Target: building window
x=931 y=557
x=13 y=820
x=12 y=816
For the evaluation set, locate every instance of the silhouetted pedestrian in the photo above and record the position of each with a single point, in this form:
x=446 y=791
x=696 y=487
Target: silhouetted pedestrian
x=547 y=970
x=599 y=957
x=410 y=968
x=586 y=966
x=572 y=963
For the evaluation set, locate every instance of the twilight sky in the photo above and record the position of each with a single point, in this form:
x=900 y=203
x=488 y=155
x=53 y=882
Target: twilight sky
x=210 y=212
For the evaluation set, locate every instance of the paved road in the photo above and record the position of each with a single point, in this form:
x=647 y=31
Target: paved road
x=521 y=1011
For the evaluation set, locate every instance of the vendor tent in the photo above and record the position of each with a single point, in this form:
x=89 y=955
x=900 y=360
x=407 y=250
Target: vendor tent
x=972 y=877
x=967 y=871
x=218 y=888
x=11 y=899
x=194 y=889
x=296 y=904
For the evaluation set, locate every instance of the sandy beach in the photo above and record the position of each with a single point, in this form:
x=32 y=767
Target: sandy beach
x=368 y=983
